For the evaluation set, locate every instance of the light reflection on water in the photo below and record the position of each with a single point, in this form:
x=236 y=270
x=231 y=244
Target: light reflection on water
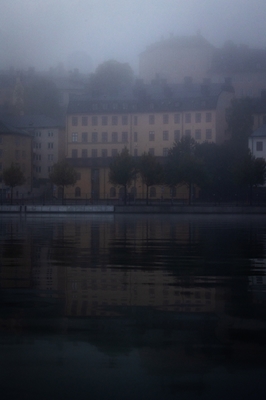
x=132 y=306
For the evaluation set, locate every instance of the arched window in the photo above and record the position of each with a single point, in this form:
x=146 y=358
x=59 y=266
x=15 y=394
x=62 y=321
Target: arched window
x=77 y=192
x=153 y=191
x=112 y=191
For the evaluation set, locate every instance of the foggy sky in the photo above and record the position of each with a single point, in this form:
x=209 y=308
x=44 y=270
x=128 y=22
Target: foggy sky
x=42 y=33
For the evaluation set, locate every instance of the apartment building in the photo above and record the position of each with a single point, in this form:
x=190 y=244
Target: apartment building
x=15 y=147
x=47 y=144
x=148 y=118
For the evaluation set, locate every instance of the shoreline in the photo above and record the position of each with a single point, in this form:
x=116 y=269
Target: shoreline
x=131 y=209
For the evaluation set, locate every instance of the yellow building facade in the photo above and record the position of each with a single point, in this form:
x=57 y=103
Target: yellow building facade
x=150 y=121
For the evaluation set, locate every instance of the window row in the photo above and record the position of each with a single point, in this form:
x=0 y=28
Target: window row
x=112 y=153
x=177 y=135
x=38 y=157
x=105 y=120
x=38 y=145
x=95 y=137
x=104 y=138
x=39 y=133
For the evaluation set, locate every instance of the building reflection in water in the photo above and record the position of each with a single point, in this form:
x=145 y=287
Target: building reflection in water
x=187 y=292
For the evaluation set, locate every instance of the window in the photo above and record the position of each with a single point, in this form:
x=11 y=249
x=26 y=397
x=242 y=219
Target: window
x=187 y=118
x=153 y=191
x=94 y=120
x=259 y=146
x=50 y=145
x=165 y=135
x=84 y=153
x=17 y=154
x=74 y=153
x=40 y=145
x=124 y=137
x=151 y=136
x=177 y=118
x=23 y=154
x=135 y=152
x=177 y=135
x=104 y=137
x=74 y=137
x=112 y=191
x=50 y=157
x=78 y=176
x=208 y=117
x=135 y=136
x=94 y=153
x=197 y=134
x=84 y=121
x=165 y=118
x=114 y=120
x=114 y=152
x=104 y=120
x=165 y=151
x=208 y=134
x=198 y=117
x=124 y=119
x=94 y=137
x=50 y=133
x=77 y=192
x=74 y=121
x=84 y=137
x=104 y=152
x=135 y=120
x=114 y=137
x=151 y=151
x=188 y=132
x=151 y=119
x=264 y=119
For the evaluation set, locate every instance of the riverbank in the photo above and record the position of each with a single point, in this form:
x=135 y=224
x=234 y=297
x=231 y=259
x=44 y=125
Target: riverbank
x=131 y=209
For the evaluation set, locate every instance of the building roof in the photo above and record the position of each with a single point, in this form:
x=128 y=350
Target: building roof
x=9 y=129
x=155 y=97
x=33 y=121
x=177 y=42
x=260 y=132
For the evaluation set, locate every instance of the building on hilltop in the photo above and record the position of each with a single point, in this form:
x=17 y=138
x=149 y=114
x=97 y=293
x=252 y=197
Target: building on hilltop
x=146 y=118
x=178 y=58
x=15 y=147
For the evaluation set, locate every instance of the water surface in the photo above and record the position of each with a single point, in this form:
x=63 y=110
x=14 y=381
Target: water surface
x=132 y=307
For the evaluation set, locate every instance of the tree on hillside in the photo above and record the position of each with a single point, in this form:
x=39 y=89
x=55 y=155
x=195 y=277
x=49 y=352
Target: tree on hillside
x=184 y=167
x=41 y=96
x=110 y=77
x=240 y=122
x=150 y=171
x=13 y=176
x=63 y=175
x=122 y=170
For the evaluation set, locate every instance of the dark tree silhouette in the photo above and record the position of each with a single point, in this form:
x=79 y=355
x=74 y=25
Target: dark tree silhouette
x=150 y=171
x=63 y=175
x=13 y=176
x=122 y=170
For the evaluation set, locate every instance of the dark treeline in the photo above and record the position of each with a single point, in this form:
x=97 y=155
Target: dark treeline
x=220 y=172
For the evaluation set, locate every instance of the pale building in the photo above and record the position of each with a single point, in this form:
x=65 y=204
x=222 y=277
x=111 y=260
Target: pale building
x=15 y=147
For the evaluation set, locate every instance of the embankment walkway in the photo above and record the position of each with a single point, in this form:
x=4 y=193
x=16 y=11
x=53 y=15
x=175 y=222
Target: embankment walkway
x=131 y=209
